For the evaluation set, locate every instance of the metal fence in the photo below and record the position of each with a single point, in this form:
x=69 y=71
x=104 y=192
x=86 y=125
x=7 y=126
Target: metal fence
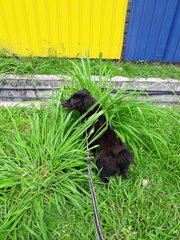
x=154 y=31
x=62 y=28
x=150 y=30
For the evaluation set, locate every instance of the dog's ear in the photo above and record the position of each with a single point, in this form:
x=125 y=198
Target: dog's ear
x=88 y=101
x=82 y=93
x=85 y=91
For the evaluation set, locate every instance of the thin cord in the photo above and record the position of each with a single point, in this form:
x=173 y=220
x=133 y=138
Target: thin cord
x=93 y=195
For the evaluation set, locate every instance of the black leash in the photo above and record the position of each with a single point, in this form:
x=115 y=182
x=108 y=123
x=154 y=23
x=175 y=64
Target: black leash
x=93 y=195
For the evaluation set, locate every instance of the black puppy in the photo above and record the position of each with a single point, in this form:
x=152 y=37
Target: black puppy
x=114 y=157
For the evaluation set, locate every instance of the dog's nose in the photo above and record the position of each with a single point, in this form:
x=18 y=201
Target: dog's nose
x=64 y=103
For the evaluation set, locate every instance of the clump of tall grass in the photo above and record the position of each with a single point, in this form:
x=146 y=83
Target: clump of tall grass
x=46 y=166
x=133 y=118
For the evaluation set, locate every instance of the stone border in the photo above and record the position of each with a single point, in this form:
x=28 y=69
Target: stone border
x=39 y=85
x=45 y=77
x=21 y=104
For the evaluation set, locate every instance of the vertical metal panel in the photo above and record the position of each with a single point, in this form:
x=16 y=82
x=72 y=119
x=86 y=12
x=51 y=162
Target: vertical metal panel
x=63 y=27
x=172 y=53
x=150 y=24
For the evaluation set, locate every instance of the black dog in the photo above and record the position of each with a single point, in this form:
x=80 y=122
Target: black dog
x=114 y=157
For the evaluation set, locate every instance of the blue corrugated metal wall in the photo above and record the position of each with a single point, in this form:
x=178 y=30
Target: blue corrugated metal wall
x=154 y=31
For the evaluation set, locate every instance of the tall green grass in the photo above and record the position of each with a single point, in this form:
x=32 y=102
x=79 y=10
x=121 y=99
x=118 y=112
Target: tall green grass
x=126 y=112
x=44 y=191
x=45 y=166
x=60 y=66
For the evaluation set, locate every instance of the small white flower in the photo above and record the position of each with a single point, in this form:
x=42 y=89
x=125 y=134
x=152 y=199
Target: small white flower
x=145 y=182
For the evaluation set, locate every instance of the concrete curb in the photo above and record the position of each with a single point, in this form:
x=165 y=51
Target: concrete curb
x=21 y=104
x=33 y=86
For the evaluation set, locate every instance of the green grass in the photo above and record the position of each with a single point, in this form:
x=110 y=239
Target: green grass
x=35 y=65
x=44 y=191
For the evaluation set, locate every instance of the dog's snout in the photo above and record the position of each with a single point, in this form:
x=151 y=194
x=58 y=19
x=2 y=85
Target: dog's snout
x=67 y=104
x=64 y=103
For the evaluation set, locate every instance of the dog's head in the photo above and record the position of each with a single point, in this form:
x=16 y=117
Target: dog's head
x=80 y=101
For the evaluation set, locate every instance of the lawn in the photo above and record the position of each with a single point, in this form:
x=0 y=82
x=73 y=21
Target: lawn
x=35 y=65
x=44 y=191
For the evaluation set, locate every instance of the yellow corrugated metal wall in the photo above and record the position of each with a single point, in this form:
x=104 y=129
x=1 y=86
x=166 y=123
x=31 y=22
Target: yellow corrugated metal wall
x=62 y=27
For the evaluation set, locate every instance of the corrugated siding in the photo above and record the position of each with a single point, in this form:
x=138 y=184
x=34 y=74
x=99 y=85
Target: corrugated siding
x=172 y=53
x=63 y=27
x=150 y=30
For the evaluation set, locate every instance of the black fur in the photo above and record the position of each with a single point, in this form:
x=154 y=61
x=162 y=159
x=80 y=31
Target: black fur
x=113 y=157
